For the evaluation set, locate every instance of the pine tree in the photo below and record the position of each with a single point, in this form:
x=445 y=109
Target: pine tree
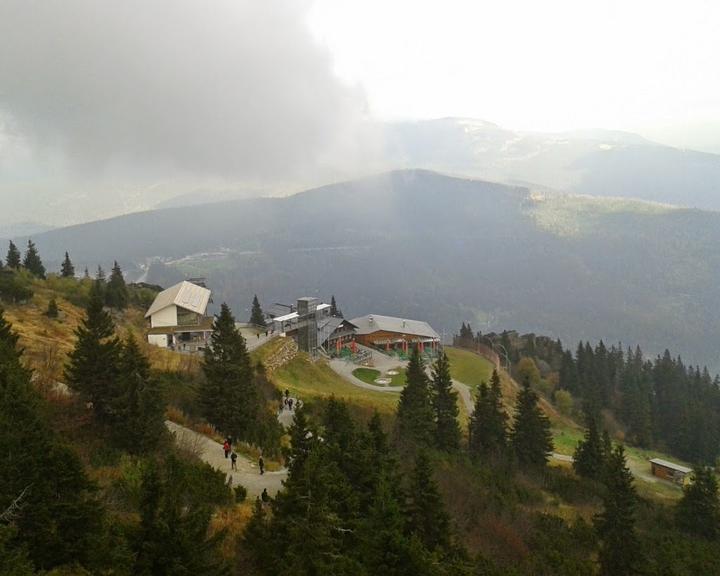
x=67 y=270
x=444 y=402
x=57 y=515
x=139 y=408
x=530 y=438
x=488 y=423
x=588 y=460
x=116 y=292
x=334 y=310
x=257 y=317
x=426 y=514
x=699 y=510
x=228 y=395
x=93 y=365
x=173 y=536
x=415 y=413
x=32 y=262
x=13 y=256
x=86 y=273
x=616 y=524
x=52 y=309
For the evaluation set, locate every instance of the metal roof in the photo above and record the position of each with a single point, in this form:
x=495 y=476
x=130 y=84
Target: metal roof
x=185 y=295
x=294 y=315
x=374 y=323
x=671 y=465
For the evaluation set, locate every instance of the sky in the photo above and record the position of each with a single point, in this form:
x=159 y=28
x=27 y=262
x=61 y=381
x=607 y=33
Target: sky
x=109 y=107
x=642 y=66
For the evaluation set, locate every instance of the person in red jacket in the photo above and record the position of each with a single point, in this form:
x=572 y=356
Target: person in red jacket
x=226 y=448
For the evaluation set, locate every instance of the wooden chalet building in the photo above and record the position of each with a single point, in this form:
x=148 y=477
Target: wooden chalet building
x=395 y=334
x=669 y=470
x=178 y=318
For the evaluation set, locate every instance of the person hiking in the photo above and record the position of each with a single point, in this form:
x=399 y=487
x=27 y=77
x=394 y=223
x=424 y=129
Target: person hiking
x=233 y=458
x=290 y=403
x=226 y=448
x=261 y=464
x=265 y=497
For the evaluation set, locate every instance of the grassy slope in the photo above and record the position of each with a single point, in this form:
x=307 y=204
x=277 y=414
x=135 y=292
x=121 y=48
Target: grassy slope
x=47 y=341
x=308 y=379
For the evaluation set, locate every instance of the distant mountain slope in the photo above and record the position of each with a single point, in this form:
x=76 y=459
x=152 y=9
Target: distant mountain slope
x=597 y=162
x=423 y=245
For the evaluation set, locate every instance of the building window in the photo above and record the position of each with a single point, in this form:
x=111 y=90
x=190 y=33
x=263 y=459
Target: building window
x=187 y=318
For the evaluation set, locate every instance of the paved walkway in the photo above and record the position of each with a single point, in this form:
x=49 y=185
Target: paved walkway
x=251 y=339
x=247 y=473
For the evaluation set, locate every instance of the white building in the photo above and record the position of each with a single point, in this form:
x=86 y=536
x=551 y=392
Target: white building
x=178 y=319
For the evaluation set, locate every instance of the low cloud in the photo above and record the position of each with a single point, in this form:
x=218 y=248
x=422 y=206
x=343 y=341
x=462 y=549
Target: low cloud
x=149 y=89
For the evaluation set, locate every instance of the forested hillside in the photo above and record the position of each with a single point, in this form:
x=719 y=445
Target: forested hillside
x=423 y=245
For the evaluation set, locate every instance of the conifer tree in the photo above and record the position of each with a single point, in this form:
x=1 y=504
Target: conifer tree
x=488 y=423
x=86 y=273
x=139 y=409
x=116 y=292
x=415 y=413
x=615 y=525
x=530 y=438
x=426 y=514
x=32 y=262
x=67 y=270
x=13 y=256
x=52 y=309
x=699 y=510
x=257 y=317
x=228 y=395
x=173 y=536
x=334 y=310
x=57 y=515
x=444 y=402
x=92 y=369
x=588 y=460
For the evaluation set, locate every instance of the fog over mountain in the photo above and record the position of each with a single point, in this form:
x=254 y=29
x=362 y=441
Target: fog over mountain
x=423 y=245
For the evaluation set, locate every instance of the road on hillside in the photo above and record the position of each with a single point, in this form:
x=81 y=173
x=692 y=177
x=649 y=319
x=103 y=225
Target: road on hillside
x=247 y=474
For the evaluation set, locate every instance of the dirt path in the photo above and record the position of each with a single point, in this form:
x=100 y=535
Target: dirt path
x=247 y=473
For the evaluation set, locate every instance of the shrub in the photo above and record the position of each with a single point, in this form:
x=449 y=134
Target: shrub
x=240 y=493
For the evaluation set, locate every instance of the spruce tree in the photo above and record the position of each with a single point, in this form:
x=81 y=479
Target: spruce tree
x=426 y=515
x=588 y=460
x=228 y=394
x=67 y=270
x=173 y=539
x=699 y=510
x=56 y=514
x=32 y=262
x=257 y=317
x=488 y=422
x=116 y=292
x=52 y=309
x=615 y=525
x=415 y=412
x=139 y=408
x=13 y=256
x=530 y=438
x=334 y=310
x=444 y=402
x=92 y=369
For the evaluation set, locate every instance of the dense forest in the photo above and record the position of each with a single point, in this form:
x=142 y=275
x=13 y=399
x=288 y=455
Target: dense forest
x=660 y=402
x=91 y=481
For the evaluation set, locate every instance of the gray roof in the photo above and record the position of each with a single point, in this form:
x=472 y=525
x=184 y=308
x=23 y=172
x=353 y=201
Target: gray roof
x=328 y=325
x=185 y=295
x=278 y=309
x=374 y=323
x=671 y=465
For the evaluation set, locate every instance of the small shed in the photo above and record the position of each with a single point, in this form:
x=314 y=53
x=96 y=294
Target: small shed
x=669 y=470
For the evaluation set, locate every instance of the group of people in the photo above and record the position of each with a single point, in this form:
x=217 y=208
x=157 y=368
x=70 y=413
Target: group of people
x=229 y=452
x=288 y=402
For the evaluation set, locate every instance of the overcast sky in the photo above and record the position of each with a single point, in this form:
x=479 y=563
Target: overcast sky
x=648 y=66
x=112 y=106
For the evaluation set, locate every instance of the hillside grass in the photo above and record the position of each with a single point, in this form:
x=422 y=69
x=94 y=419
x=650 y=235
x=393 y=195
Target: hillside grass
x=316 y=380
x=468 y=367
x=367 y=375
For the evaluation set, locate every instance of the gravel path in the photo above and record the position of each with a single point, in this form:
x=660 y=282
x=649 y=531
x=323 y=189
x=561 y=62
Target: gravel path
x=247 y=473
